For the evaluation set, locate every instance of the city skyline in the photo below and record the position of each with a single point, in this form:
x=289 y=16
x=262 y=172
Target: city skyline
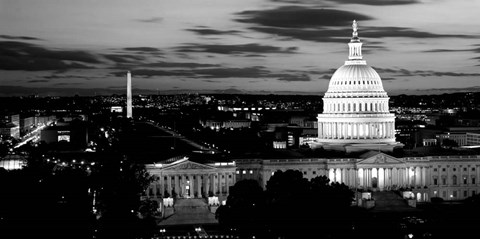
x=254 y=46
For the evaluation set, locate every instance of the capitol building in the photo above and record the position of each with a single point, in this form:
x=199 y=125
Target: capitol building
x=356 y=115
x=356 y=120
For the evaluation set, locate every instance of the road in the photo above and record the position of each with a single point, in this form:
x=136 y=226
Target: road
x=178 y=136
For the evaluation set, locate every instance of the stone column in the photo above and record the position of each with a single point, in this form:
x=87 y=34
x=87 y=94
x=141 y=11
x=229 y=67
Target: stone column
x=227 y=183
x=207 y=184
x=169 y=184
x=219 y=179
x=160 y=185
x=182 y=185
x=199 y=185
x=192 y=186
x=214 y=185
x=320 y=131
x=177 y=184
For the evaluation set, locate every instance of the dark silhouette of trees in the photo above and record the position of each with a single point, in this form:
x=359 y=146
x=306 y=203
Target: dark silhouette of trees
x=245 y=210
x=290 y=207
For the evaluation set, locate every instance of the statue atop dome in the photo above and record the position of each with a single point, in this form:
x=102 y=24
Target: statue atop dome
x=355 y=27
x=355 y=32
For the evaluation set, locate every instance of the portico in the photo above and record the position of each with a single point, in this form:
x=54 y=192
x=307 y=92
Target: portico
x=188 y=179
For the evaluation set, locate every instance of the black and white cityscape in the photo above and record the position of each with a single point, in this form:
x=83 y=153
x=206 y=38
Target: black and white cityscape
x=239 y=119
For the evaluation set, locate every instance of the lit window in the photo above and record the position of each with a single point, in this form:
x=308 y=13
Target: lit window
x=238 y=171
x=251 y=171
x=244 y=172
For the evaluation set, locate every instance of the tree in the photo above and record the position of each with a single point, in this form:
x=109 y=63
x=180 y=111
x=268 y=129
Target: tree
x=290 y=207
x=245 y=209
x=121 y=183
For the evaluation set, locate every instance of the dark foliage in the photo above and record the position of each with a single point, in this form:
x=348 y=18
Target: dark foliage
x=290 y=207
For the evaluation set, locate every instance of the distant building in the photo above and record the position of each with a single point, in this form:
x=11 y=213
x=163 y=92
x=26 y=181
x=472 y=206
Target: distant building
x=27 y=124
x=12 y=162
x=10 y=130
x=226 y=124
x=74 y=133
x=473 y=139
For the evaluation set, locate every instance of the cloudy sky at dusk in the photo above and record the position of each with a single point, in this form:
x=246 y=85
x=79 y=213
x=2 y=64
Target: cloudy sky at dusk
x=257 y=46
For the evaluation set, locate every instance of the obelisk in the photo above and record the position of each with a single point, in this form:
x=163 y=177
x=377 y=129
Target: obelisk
x=129 y=95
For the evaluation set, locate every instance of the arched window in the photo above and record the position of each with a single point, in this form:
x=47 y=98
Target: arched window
x=454 y=180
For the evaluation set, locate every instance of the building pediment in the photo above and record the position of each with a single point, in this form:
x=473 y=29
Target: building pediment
x=187 y=165
x=378 y=159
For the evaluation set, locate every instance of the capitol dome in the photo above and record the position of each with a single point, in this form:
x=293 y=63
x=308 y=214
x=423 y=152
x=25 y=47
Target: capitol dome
x=354 y=78
x=356 y=114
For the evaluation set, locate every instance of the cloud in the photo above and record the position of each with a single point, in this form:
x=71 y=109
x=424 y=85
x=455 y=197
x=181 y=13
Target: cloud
x=8 y=37
x=123 y=58
x=423 y=73
x=151 y=20
x=235 y=49
x=57 y=76
x=247 y=72
x=379 y=32
x=377 y=2
x=343 y=35
x=150 y=73
x=25 y=56
x=146 y=50
x=67 y=83
x=476 y=50
x=295 y=78
x=338 y=36
x=298 y=16
x=178 y=64
x=37 y=81
x=210 y=31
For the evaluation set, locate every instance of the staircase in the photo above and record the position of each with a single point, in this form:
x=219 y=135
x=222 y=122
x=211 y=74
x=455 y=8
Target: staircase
x=389 y=201
x=190 y=211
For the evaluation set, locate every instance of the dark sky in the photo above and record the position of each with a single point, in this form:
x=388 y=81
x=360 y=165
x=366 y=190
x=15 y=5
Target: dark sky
x=417 y=47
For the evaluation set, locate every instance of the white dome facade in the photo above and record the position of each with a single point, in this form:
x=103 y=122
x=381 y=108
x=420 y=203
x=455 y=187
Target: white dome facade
x=356 y=114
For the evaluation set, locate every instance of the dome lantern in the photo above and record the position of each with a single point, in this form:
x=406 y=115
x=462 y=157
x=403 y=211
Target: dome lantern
x=355 y=46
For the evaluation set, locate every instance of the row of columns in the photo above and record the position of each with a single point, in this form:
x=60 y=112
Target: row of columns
x=385 y=177
x=194 y=185
x=378 y=106
x=340 y=130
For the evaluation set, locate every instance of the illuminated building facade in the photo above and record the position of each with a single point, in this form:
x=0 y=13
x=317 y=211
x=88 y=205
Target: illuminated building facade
x=448 y=177
x=189 y=179
x=356 y=114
